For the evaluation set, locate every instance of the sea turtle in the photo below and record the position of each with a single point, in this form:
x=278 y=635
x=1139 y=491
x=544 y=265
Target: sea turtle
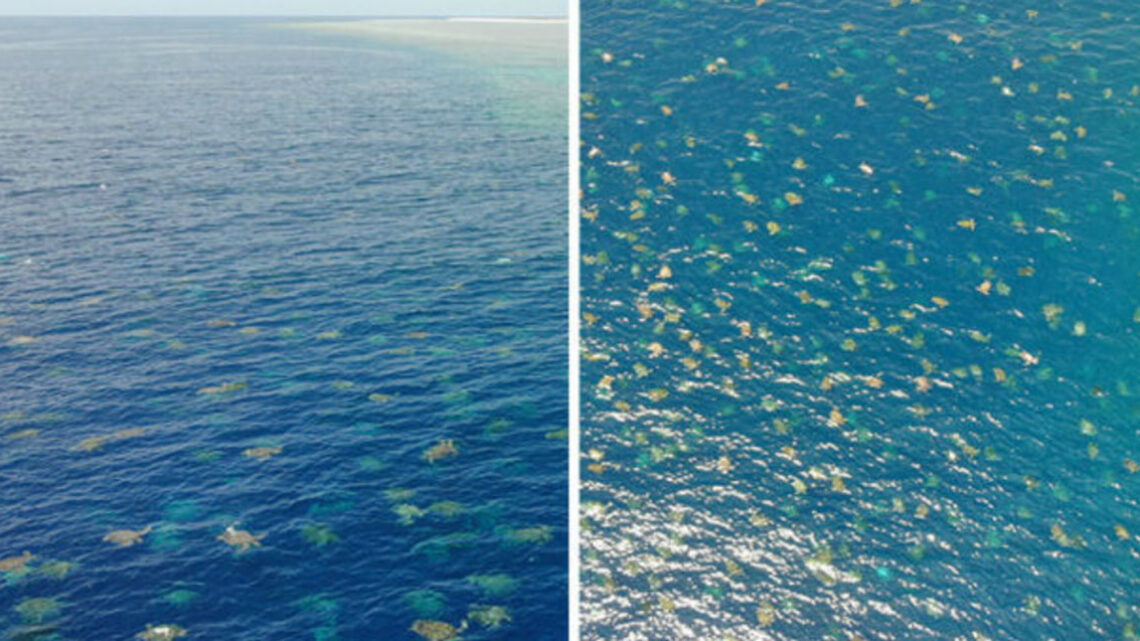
x=39 y=610
x=164 y=632
x=537 y=534
x=91 y=443
x=224 y=388
x=56 y=569
x=241 y=540
x=142 y=333
x=437 y=630
x=489 y=616
x=16 y=563
x=319 y=535
x=444 y=449
x=262 y=453
x=127 y=538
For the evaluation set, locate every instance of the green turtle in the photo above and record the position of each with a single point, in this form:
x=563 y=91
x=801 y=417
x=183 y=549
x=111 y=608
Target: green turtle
x=437 y=630
x=262 y=453
x=38 y=611
x=489 y=616
x=241 y=540
x=56 y=569
x=127 y=538
x=142 y=333
x=224 y=388
x=319 y=535
x=91 y=443
x=537 y=534
x=16 y=563
x=164 y=632
x=444 y=449
x=408 y=513
x=446 y=509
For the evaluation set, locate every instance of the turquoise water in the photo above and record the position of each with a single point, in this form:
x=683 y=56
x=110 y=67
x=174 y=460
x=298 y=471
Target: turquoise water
x=860 y=295
x=252 y=276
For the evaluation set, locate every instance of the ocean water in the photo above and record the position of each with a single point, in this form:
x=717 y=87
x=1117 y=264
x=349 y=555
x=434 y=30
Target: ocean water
x=860 y=297
x=250 y=275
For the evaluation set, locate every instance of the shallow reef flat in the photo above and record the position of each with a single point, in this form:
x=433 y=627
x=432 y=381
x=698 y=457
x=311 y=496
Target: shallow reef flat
x=515 y=40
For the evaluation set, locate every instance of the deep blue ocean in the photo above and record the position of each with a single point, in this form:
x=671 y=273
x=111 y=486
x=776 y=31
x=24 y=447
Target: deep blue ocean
x=249 y=275
x=861 y=295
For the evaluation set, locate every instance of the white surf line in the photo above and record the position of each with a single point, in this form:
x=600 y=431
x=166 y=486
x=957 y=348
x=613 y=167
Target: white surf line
x=575 y=427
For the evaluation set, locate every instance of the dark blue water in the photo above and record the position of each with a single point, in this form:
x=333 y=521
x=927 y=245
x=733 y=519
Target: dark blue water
x=885 y=387
x=219 y=235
